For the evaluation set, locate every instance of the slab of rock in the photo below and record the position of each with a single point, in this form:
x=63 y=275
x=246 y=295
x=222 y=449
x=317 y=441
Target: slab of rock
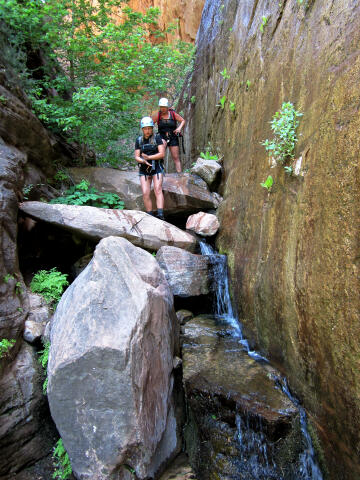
x=187 y=273
x=183 y=193
x=208 y=170
x=240 y=425
x=205 y=224
x=39 y=315
x=113 y=341
x=24 y=435
x=139 y=228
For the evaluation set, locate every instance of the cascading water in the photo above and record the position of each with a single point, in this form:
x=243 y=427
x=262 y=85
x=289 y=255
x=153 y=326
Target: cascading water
x=252 y=445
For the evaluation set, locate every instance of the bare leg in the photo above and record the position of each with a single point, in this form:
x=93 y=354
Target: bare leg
x=158 y=190
x=175 y=153
x=146 y=187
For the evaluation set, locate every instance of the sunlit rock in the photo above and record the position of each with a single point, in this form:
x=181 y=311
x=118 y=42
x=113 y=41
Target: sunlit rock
x=204 y=224
x=139 y=228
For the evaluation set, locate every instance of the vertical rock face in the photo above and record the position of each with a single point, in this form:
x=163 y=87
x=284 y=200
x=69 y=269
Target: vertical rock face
x=186 y=12
x=294 y=253
x=24 y=432
x=110 y=367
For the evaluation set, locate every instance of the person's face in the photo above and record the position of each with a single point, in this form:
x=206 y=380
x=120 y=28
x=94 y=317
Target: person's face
x=147 y=131
x=164 y=110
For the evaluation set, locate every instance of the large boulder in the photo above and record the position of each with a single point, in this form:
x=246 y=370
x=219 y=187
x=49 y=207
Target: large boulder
x=139 y=228
x=24 y=429
x=113 y=340
x=205 y=224
x=183 y=193
x=240 y=426
x=187 y=273
x=208 y=170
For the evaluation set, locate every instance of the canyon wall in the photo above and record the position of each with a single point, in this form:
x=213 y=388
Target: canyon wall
x=186 y=12
x=293 y=253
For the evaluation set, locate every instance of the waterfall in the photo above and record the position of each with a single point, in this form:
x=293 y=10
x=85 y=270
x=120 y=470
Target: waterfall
x=251 y=442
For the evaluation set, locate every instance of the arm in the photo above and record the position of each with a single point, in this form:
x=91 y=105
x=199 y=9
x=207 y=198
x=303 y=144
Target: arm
x=180 y=119
x=139 y=159
x=156 y=156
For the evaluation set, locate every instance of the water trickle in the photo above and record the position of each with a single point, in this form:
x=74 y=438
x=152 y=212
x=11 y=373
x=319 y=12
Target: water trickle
x=253 y=448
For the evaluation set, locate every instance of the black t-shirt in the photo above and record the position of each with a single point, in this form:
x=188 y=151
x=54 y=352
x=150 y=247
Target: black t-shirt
x=158 y=141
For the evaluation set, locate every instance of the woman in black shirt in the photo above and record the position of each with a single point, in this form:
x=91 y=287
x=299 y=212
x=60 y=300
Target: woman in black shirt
x=149 y=153
x=167 y=120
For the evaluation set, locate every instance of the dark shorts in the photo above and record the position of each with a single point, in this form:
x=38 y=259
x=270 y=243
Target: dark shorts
x=172 y=140
x=148 y=172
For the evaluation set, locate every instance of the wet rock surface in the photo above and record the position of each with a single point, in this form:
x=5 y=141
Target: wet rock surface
x=240 y=425
x=94 y=223
x=293 y=254
x=183 y=194
x=186 y=273
x=113 y=341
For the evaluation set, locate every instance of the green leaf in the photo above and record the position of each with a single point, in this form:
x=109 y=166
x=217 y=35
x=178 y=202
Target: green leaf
x=268 y=183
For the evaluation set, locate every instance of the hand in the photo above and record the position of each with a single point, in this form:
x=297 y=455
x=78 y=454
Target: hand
x=177 y=131
x=145 y=157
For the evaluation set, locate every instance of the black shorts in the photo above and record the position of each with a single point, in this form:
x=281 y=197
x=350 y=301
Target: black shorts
x=172 y=140
x=148 y=171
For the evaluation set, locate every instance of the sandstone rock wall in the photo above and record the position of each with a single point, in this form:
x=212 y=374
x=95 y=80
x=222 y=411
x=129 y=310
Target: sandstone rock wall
x=186 y=12
x=293 y=253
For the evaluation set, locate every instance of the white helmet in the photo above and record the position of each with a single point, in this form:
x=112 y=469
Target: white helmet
x=163 y=102
x=146 y=122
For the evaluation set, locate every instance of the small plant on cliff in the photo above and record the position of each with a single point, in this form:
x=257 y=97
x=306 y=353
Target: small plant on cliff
x=284 y=125
x=43 y=360
x=225 y=74
x=84 y=194
x=50 y=284
x=263 y=24
x=232 y=106
x=222 y=102
x=268 y=183
x=61 y=462
x=5 y=346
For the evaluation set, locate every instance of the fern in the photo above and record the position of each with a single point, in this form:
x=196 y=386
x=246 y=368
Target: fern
x=43 y=360
x=83 y=194
x=5 y=346
x=50 y=284
x=61 y=462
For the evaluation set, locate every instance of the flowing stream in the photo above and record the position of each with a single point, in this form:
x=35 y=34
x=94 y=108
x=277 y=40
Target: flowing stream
x=249 y=441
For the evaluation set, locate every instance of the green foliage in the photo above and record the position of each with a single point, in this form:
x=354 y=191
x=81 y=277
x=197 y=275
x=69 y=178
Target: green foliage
x=222 y=102
x=3 y=100
x=225 y=74
x=61 y=462
x=5 y=346
x=193 y=99
x=50 y=284
x=208 y=156
x=43 y=359
x=263 y=23
x=232 y=106
x=107 y=69
x=247 y=85
x=83 y=194
x=284 y=125
x=268 y=183
x=61 y=176
x=8 y=277
x=18 y=288
x=288 y=170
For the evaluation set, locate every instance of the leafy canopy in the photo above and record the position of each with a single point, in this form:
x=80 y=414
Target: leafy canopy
x=102 y=66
